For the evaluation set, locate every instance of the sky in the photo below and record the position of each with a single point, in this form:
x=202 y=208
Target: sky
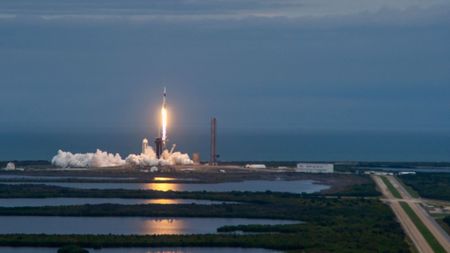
x=268 y=65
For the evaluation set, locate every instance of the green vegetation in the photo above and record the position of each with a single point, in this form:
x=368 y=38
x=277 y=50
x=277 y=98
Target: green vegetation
x=430 y=185
x=346 y=219
x=310 y=238
x=408 y=188
x=435 y=245
x=317 y=210
x=445 y=223
x=358 y=190
x=48 y=191
x=155 y=210
x=269 y=241
x=72 y=249
x=391 y=188
x=291 y=228
x=447 y=220
x=341 y=184
x=330 y=224
x=404 y=165
x=356 y=167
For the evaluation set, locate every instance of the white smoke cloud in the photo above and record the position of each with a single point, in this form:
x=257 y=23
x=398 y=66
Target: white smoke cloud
x=97 y=159
x=142 y=160
x=149 y=158
x=104 y=159
x=10 y=166
x=176 y=158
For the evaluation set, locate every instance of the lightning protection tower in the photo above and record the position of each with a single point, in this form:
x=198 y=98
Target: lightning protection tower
x=213 y=151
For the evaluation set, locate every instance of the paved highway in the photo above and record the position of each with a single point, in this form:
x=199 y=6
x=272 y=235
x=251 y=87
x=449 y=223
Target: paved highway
x=407 y=225
x=440 y=235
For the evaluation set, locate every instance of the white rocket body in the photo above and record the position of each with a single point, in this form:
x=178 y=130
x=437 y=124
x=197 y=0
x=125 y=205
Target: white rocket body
x=164 y=119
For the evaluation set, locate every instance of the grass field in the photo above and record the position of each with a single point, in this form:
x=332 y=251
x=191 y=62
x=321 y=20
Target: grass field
x=429 y=185
x=391 y=188
x=409 y=189
x=444 y=225
x=435 y=245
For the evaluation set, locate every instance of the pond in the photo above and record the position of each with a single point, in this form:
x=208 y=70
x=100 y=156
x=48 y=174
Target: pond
x=29 y=178
x=55 y=178
x=16 y=202
x=294 y=186
x=122 y=225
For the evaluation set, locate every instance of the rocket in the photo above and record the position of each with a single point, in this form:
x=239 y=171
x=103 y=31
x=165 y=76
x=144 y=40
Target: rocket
x=164 y=98
x=160 y=142
x=164 y=118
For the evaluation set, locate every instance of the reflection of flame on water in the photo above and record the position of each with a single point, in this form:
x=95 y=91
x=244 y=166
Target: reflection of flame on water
x=164 y=226
x=164 y=178
x=163 y=201
x=164 y=220
x=162 y=187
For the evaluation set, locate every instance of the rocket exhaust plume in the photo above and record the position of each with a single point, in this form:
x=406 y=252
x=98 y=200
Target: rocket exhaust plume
x=164 y=119
x=148 y=157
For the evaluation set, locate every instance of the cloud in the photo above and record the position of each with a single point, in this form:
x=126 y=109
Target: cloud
x=175 y=10
x=302 y=66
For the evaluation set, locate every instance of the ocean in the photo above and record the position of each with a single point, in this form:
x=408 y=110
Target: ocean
x=244 y=146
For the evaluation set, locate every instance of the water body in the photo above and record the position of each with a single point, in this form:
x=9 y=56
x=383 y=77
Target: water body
x=121 y=225
x=28 y=177
x=141 y=250
x=295 y=186
x=22 y=202
x=300 y=145
x=9 y=177
x=423 y=170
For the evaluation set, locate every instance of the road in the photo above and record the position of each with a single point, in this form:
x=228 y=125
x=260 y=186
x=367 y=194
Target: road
x=406 y=223
x=439 y=233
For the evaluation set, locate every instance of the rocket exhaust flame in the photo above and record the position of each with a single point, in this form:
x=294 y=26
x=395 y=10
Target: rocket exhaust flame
x=164 y=119
x=164 y=124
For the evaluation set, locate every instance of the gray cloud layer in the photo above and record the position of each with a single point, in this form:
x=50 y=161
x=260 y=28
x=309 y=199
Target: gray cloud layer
x=267 y=64
x=199 y=9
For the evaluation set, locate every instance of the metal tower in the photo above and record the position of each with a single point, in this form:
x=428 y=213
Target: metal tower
x=213 y=151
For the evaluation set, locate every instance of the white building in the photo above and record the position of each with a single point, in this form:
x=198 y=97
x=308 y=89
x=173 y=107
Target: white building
x=255 y=166
x=406 y=173
x=378 y=173
x=315 y=167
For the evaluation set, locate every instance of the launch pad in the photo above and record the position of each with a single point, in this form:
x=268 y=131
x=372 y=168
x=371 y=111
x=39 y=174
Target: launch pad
x=151 y=157
x=160 y=151
x=160 y=141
